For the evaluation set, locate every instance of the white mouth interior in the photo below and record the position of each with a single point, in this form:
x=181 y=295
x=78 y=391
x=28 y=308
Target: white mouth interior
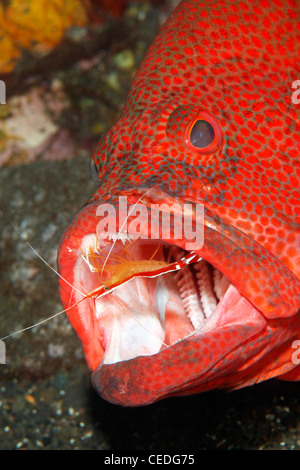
x=143 y=315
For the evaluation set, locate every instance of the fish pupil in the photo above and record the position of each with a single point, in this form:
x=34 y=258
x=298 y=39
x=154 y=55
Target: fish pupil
x=202 y=134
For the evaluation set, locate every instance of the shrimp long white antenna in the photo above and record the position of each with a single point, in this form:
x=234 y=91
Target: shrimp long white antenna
x=53 y=269
x=40 y=322
x=122 y=226
x=38 y=255
x=84 y=295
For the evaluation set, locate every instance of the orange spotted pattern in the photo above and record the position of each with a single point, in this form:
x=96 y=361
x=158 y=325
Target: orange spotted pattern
x=231 y=63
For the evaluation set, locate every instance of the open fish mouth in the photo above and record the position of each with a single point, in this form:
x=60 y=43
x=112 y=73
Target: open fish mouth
x=156 y=319
x=159 y=307
x=148 y=296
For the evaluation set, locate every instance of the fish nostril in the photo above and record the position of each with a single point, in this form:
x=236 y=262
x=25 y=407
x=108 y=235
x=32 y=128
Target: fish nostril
x=94 y=173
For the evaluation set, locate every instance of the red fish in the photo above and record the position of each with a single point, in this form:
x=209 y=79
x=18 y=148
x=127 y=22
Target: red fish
x=209 y=121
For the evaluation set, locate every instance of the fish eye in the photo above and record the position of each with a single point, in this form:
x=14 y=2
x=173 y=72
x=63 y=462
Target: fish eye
x=202 y=134
x=197 y=129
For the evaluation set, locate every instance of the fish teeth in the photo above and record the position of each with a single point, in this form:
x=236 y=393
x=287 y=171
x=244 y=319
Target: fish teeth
x=187 y=290
x=208 y=299
x=122 y=236
x=189 y=297
x=199 y=305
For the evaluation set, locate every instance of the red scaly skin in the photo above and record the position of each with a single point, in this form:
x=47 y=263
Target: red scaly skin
x=230 y=63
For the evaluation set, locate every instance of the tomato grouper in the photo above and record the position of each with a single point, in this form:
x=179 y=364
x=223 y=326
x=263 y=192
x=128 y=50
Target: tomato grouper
x=210 y=123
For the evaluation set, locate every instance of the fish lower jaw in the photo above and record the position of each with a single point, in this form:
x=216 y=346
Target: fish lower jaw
x=150 y=310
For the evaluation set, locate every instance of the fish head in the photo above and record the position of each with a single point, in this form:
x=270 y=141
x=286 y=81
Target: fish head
x=206 y=158
x=220 y=318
